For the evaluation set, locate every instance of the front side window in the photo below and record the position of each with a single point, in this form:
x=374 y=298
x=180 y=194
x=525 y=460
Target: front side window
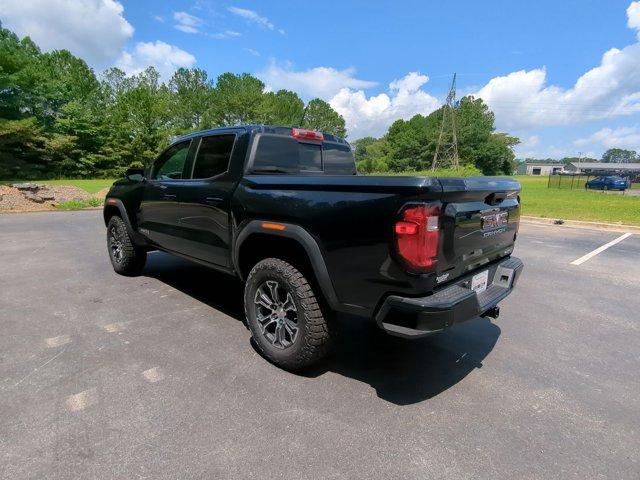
x=171 y=163
x=213 y=156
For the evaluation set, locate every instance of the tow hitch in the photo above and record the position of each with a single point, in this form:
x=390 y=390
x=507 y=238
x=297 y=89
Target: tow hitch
x=492 y=312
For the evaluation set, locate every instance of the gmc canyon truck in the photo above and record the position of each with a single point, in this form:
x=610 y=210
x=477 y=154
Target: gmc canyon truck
x=284 y=210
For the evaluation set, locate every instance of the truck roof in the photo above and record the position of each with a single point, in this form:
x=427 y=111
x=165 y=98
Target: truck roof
x=277 y=129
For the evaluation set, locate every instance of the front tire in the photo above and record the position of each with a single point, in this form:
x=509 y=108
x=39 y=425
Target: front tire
x=284 y=315
x=126 y=258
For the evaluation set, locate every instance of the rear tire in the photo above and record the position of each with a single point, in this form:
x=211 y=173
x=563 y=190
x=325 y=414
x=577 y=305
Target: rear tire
x=284 y=315
x=126 y=258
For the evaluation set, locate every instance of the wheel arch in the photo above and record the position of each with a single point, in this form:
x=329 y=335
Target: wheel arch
x=293 y=243
x=114 y=206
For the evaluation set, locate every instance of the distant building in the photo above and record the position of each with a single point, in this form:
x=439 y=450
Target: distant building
x=541 y=168
x=600 y=168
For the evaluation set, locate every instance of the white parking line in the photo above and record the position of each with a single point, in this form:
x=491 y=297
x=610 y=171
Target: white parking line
x=601 y=249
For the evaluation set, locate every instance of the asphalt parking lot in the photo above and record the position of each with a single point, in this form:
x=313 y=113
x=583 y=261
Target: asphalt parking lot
x=103 y=376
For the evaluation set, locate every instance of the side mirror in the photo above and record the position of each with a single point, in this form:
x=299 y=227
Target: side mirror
x=135 y=174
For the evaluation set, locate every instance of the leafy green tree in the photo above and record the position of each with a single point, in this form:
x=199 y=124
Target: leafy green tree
x=236 y=99
x=320 y=116
x=412 y=143
x=23 y=149
x=372 y=155
x=619 y=155
x=15 y=56
x=191 y=96
x=281 y=108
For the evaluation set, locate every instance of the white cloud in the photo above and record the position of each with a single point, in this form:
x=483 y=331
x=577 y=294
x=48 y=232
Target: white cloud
x=323 y=82
x=373 y=116
x=620 y=137
x=254 y=17
x=363 y=115
x=253 y=52
x=633 y=16
x=95 y=30
x=527 y=147
x=226 y=34
x=186 y=23
x=166 y=58
x=523 y=99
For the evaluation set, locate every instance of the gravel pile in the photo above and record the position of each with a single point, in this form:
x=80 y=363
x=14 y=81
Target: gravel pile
x=26 y=197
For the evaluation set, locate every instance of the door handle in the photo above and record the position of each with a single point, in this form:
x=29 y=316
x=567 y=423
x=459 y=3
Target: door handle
x=213 y=200
x=169 y=197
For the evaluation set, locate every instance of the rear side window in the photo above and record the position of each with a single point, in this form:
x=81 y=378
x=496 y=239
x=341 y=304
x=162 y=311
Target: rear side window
x=283 y=154
x=213 y=156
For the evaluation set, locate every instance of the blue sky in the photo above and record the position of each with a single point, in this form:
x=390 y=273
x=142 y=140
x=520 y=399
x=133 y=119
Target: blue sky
x=542 y=66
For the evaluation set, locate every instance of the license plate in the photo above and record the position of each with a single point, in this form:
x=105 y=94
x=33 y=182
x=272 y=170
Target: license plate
x=494 y=220
x=479 y=281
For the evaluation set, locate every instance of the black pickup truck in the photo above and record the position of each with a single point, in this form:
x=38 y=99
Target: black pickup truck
x=284 y=210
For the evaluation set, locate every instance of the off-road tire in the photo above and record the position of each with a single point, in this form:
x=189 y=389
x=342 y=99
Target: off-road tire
x=131 y=259
x=313 y=337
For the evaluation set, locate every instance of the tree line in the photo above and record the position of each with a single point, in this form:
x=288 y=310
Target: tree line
x=410 y=145
x=58 y=119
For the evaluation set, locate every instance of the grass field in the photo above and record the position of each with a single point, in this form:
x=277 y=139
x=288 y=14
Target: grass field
x=91 y=186
x=577 y=204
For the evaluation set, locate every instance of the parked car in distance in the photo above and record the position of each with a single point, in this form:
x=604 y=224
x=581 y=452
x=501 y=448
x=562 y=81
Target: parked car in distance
x=607 y=182
x=284 y=210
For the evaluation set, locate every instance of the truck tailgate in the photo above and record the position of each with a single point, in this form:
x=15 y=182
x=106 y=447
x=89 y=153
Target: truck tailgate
x=479 y=224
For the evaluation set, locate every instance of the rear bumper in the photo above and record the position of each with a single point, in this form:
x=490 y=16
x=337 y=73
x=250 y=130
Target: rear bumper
x=418 y=317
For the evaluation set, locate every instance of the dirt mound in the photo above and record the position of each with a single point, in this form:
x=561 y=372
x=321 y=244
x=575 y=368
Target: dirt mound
x=27 y=197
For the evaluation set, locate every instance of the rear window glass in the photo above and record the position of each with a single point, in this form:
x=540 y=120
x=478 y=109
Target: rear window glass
x=276 y=152
x=283 y=154
x=213 y=156
x=310 y=157
x=338 y=159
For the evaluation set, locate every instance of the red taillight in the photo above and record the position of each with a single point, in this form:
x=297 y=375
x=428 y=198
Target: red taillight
x=417 y=235
x=304 y=134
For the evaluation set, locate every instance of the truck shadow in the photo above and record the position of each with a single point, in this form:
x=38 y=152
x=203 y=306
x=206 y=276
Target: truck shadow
x=401 y=371
x=219 y=291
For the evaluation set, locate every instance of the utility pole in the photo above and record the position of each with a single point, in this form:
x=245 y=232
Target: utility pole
x=447 y=148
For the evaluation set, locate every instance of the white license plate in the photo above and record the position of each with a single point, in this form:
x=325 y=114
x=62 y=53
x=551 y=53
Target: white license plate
x=479 y=281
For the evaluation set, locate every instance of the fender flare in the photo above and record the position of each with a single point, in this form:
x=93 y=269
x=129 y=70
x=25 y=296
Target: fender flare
x=304 y=238
x=116 y=202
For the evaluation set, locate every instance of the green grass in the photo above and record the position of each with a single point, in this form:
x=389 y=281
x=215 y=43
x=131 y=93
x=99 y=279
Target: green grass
x=79 y=204
x=577 y=204
x=93 y=185
x=89 y=185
